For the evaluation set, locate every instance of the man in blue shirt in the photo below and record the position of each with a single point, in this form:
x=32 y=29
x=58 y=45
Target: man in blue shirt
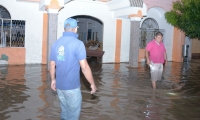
x=67 y=55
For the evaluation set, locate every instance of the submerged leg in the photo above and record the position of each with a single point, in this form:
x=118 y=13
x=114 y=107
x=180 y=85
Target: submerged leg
x=154 y=84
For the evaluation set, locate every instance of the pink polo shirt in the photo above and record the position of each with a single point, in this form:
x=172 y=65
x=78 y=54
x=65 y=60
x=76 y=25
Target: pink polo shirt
x=156 y=51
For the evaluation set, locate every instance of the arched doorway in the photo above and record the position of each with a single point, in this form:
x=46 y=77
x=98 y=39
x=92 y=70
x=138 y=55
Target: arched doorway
x=90 y=30
x=148 y=29
x=91 y=33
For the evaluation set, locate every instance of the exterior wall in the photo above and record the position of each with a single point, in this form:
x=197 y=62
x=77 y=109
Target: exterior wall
x=165 y=4
x=195 y=49
x=45 y=38
x=125 y=40
x=36 y=32
x=118 y=40
x=99 y=11
x=179 y=40
x=13 y=57
x=30 y=0
x=141 y=57
x=28 y=11
x=195 y=46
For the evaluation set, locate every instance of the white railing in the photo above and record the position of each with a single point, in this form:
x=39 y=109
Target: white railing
x=3 y=39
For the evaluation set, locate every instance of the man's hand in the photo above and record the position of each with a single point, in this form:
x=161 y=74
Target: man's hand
x=94 y=88
x=88 y=74
x=147 y=57
x=148 y=62
x=166 y=63
x=53 y=85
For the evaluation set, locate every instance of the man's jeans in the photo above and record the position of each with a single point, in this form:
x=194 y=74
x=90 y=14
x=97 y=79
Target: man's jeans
x=70 y=103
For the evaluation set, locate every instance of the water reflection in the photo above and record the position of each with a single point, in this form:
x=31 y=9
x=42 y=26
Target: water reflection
x=123 y=93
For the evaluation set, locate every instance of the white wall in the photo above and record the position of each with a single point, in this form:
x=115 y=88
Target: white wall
x=125 y=40
x=99 y=11
x=28 y=11
x=157 y=13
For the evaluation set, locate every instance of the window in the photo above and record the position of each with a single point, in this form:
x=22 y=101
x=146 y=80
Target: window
x=12 y=33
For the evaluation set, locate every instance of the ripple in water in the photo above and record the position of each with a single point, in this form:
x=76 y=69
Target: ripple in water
x=123 y=93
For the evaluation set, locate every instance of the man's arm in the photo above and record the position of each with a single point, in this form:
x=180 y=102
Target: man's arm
x=52 y=75
x=147 y=57
x=88 y=74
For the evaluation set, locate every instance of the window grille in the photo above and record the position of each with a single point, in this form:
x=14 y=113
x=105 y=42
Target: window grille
x=12 y=33
x=148 y=30
x=147 y=35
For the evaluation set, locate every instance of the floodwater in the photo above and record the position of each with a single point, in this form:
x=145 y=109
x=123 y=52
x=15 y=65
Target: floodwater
x=123 y=93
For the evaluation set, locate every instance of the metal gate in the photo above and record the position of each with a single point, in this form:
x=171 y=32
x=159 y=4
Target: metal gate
x=148 y=35
x=148 y=30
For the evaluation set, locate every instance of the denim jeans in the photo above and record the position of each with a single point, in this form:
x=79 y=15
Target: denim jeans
x=70 y=103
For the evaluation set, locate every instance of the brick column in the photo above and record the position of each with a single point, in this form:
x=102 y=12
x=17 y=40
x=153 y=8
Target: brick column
x=52 y=7
x=134 y=41
x=52 y=32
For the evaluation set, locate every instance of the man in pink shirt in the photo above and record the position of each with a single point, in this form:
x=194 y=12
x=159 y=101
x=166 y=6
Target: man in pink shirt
x=156 y=56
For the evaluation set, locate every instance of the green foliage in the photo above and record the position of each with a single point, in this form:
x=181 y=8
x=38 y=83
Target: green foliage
x=185 y=15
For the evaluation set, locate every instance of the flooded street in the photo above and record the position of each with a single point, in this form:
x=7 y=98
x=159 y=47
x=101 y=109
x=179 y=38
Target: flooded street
x=123 y=93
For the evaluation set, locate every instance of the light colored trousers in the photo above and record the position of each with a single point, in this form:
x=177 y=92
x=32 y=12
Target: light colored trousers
x=156 y=71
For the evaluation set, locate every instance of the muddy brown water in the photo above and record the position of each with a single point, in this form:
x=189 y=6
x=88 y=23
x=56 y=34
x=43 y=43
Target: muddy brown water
x=123 y=93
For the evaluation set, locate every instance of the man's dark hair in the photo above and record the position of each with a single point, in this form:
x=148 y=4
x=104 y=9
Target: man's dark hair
x=158 y=34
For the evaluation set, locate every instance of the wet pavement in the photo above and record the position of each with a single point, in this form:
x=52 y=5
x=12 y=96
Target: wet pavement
x=123 y=93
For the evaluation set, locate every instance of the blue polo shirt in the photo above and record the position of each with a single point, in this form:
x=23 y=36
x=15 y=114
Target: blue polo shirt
x=66 y=52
